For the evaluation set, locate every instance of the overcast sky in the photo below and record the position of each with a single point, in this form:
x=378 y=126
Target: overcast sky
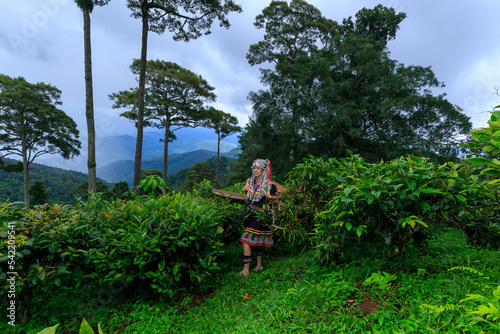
x=42 y=40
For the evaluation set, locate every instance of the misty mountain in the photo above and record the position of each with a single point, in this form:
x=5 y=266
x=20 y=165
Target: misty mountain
x=123 y=170
x=110 y=149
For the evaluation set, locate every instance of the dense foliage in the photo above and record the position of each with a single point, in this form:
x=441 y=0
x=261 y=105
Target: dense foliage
x=348 y=205
x=335 y=88
x=172 y=244
x=165 y=244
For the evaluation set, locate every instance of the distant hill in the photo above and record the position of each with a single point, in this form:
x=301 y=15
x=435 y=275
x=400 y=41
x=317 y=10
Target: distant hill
x=119 y=148
x=59 y=183
x=116 y=148
x=124 y=170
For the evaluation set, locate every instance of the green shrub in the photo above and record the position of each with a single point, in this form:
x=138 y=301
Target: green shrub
x=169 y=243
x=347 y=207
x=480 y=218
x=308 y=191
x=383 y=207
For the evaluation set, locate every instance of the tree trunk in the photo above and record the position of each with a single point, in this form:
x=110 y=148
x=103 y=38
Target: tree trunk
x=218 y=150
x=165 y=151
x=24 y=152
x=142 y=87
x=89 y=105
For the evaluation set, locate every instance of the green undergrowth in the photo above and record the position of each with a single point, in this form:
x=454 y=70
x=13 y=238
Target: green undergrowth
x=451 y=288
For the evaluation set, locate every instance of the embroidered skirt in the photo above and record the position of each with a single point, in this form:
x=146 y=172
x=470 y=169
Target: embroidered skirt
x=257 y=233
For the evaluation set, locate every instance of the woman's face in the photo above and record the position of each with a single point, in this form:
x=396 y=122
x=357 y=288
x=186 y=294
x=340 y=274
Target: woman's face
x=257 y=171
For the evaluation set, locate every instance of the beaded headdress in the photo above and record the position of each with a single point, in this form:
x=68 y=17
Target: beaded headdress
x=256 y=192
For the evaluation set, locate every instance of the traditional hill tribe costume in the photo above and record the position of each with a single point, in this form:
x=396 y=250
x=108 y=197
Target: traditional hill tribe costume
x=257 y=233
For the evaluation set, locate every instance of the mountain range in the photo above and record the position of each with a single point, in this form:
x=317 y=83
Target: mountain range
x=123 y=170
x=60 y=183
x=111 y=149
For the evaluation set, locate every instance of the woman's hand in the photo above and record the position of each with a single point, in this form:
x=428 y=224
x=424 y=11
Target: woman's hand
x=246 y=187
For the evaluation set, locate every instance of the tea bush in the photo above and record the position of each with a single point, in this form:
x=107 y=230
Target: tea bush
x=383 y=206
x=350 y=207
x=168 y=243
x=480 y=218
x=308 y=191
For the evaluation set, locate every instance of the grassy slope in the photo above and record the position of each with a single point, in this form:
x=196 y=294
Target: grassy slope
x=293 y=295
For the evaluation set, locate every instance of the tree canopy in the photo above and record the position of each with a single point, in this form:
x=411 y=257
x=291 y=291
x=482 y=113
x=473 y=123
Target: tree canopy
x=187 y=19
x=175 y=98
x=341 y=91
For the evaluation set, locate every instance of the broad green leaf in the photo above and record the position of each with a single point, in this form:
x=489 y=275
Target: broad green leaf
x=471 y=296
x=494 y=124
x=397 y=186
x=482 y=161
x=461 y=199
x=100 y=255
x=48 y=330
x=412 y=185
x=491 y=171
x=348 y=190
x=341 y=179
x=489 y=147
x=360 y=230
x=85 y=328
x=430 y=191
x=348 y=225
x=494 y=181
x=425 y=206
x=488 y=311
x=496 y=293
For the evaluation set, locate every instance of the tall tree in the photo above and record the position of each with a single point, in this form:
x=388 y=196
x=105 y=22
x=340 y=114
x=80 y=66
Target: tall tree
x=188 y=19
x=348 y=94
x=87 y=6
x=174 y=98
x=31 y=124
x=290 y=31
x=224 y=125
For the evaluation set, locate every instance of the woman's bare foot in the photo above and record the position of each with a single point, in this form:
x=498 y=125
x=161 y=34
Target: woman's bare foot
x=244 y=272
x=258 y=268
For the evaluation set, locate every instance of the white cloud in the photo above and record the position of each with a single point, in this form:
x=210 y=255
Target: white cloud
x=43 y=41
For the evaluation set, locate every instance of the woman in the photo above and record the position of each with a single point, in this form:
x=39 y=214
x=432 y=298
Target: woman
x=257 y=234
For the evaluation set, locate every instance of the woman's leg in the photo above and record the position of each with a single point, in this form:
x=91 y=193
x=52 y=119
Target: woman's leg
x=259 y=253
x=247 y=258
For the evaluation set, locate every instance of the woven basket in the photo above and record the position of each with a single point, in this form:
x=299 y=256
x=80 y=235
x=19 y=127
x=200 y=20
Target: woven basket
x=242 y=197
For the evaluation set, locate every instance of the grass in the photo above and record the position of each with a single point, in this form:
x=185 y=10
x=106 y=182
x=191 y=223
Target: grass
x=296 y=295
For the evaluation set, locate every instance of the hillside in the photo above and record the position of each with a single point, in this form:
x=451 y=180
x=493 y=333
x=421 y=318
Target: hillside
x=59 y=183
x=124 y=170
